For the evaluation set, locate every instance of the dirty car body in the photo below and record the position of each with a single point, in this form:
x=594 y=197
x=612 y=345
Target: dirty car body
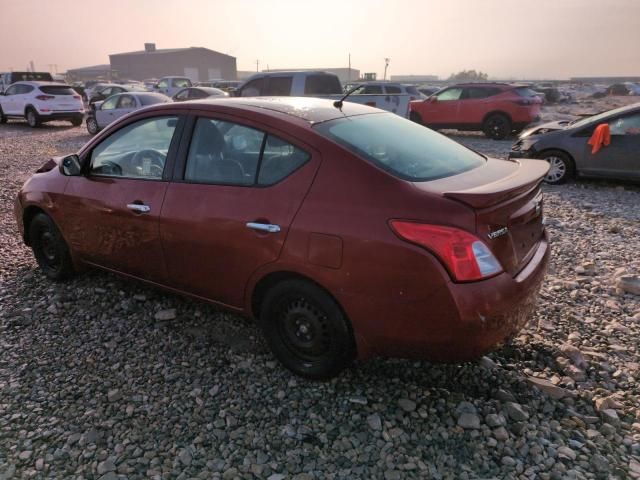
x=347 y=227
x=568 y=142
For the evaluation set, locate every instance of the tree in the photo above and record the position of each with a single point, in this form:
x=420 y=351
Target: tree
x=469 y=76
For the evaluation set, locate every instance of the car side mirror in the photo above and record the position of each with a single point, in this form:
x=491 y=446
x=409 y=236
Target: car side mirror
x=70 y=166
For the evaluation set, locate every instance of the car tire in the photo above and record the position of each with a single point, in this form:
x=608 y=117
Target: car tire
x=76 y=122
x=561 y=167
x=49 y=248
x=415 y=117
x=497 y=126
x=3 y=118
x=32 y=117
x=307 y=330
x=92 y=125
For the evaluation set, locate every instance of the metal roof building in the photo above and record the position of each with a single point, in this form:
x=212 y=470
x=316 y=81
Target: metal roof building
x=197 y=63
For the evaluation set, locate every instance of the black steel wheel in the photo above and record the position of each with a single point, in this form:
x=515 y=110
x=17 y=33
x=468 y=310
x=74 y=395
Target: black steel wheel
x=307 y=330
x=49 y=248
x=497 y=126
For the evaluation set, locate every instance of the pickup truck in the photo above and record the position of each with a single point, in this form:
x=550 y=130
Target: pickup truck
x=317 y=84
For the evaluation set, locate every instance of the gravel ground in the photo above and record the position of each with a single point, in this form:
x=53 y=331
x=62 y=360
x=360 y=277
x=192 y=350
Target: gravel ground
x=94 y=385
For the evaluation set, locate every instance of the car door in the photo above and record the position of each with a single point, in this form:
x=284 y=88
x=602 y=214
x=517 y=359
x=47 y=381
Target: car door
x=474 y=104
x=222 y=219
x=442 y=109
x=126 y=104
x=105 y=113
x=112 y=210
x=621 y=158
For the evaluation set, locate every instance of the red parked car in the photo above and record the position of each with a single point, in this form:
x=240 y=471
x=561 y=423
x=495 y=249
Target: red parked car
x=346 y=230
x=497 y=109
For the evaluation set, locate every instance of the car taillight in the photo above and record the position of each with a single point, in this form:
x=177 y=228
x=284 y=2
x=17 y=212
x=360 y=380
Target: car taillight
x=464 y=255
x=522 y=102
x=77 y=97
x=45 y=97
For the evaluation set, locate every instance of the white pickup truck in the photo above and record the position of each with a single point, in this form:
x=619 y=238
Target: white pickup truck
x=317 y=84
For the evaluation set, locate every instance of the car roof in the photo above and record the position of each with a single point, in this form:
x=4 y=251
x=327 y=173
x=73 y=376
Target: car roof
x=309 y=110
x=40 y=84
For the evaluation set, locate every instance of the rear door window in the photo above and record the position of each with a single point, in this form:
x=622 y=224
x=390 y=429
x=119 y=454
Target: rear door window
x=279 y=86
x=392 y=90
x=525 y=92
x=477 y=93
x=126 y=101
x=223 y=153
x=182 y=94
x=322 y=85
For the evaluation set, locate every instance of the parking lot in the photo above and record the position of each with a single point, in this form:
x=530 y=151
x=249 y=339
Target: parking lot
x=93 y=385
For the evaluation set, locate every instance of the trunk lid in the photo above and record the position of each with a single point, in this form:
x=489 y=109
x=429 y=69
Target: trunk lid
x=64 y=98
x=508 y=205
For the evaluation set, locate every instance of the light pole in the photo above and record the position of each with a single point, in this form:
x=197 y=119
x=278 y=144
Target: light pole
x=386 y=65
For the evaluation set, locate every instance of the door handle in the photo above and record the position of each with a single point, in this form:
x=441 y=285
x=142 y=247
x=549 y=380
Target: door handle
x=264 y=227
x=139 y=208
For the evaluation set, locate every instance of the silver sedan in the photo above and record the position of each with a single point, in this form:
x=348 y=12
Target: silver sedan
x=117 y=106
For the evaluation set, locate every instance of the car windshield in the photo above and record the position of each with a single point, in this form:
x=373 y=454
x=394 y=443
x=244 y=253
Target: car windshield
x=401 y=147
x=582 y=122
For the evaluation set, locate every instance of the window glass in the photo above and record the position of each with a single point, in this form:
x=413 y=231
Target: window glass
x=279 y=160
x=475 y=93
x=196 y=93
x=109 y=103
x=629 y=125
x=223 y=153
x=526 y=92
x=450 y=94
x=279 y=86
x=392 y=89
x=411 y=90
x=12 y=90
x=22 y=89
x=152 y=98
x=322 y=84
x=138 y=150
x=253 y=88
x=401 y=147
x=371 y=90
x=57 y=90
x=181 y=82
x=126 y=101
x=182 y=94
x=163 y=83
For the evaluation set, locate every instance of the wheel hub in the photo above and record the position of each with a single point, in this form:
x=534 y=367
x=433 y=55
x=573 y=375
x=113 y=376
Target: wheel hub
x=304 y=329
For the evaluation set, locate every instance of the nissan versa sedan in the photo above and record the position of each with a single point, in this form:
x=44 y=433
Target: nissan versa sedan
x=565 y=145
x=345 y=230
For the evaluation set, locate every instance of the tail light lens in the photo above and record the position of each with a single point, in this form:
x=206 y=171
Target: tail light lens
x=464 y=255
x=523 y=102
x=77 y=97
x=45 y=97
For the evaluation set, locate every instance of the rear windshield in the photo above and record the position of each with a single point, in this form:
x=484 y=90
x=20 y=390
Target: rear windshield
x=322 y=85
x=525 y=92
x=58 y=90
x=401 y=147
x=153 y=99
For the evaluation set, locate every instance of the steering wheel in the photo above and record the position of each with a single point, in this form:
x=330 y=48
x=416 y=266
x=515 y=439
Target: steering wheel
x=108 y=167
x=156 y=159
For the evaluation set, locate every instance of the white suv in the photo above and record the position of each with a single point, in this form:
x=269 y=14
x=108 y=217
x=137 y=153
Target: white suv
x=40 y=102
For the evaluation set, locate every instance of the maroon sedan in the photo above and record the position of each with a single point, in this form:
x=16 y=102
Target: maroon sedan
x=347 y=231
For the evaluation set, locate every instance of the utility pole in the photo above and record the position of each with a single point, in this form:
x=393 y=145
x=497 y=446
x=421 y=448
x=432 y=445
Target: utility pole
x=257 y=65
x=349 y=71
x=386 y=65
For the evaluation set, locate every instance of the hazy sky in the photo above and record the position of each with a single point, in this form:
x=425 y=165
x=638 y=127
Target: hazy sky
x=505 y=38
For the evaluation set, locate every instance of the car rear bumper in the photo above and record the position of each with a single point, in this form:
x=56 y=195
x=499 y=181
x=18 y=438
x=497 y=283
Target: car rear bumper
x=460 y=323
x=71 y=115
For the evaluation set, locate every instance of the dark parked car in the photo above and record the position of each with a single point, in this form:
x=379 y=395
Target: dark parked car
x=109 y=90
x=565 y=146
x=347 y=231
